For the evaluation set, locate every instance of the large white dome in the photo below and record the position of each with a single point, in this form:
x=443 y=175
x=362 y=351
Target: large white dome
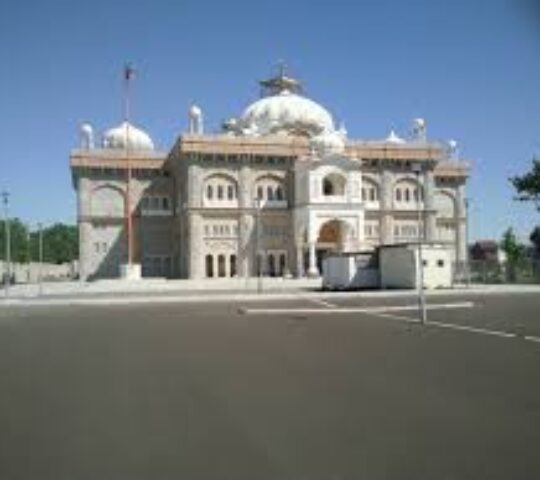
x=138 y=139
x=286 y=112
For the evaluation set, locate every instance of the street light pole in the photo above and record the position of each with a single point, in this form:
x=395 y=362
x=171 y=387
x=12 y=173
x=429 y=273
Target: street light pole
x=258 y=256
x=40 y=271
x=7 y=237
x=417 y=168
x=467 y=258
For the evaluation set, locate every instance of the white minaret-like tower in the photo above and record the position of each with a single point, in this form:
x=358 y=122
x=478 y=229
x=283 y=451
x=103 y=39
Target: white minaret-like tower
x=195 y=116
x=87 y=136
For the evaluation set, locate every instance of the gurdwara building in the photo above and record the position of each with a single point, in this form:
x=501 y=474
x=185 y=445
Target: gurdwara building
x=272 y=192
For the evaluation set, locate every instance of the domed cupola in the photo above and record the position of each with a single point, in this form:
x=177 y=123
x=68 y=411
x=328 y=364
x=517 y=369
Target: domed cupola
x=136 y=139
x=283 y=110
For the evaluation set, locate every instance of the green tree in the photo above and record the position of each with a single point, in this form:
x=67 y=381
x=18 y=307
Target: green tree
x=19 y=240
x=60 y=243
x=514 y=253
x=535 y=239
x=528 y=185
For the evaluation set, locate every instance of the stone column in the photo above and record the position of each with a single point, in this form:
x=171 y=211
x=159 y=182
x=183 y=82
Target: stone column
x=299 y=260
x=85 y=227
x=461 y=240
x=246 y=244
x=386 y=202
x=430 y=227
x=312 y=270
x=195 y=240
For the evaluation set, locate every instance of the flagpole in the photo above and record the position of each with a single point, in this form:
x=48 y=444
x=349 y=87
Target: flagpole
x=128 y=71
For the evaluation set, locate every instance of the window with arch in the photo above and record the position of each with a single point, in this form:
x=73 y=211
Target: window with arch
x=370 y=191
x=333 y=185
x=232 y=266
x=221 y=189
x=209 y=266
x=408 y=193
x=270 y=190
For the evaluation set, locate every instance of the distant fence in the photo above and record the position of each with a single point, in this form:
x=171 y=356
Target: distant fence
x=525 y=271
x=30 y=272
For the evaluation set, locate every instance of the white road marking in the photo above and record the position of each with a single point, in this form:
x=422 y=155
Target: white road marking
x=334 y=309
x=384 y=312
x=322 y=302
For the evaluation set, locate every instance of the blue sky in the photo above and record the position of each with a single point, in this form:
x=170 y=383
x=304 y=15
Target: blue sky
x=470 y=67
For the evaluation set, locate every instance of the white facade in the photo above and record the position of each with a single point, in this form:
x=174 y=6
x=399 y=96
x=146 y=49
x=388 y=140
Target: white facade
x=276 y=190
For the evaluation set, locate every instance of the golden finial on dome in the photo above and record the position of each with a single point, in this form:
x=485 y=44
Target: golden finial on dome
x=280 y=83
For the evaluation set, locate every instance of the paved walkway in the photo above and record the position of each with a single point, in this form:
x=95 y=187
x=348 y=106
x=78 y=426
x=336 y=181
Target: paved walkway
x=110 y=292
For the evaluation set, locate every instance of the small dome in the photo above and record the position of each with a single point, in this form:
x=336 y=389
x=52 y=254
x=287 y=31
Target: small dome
x=393 y=138
x=195 y=111
x=287 y=112
x=116 y=138
x=329 y=143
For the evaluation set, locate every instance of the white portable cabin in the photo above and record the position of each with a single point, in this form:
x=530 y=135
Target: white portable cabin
x=351 y=270
x=399 y=266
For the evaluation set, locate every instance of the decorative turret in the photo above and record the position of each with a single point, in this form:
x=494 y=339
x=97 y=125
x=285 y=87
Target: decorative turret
x=87 y=136
x=196 y=124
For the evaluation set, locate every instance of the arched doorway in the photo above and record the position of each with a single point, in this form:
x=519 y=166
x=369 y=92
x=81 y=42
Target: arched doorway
x=334 y=236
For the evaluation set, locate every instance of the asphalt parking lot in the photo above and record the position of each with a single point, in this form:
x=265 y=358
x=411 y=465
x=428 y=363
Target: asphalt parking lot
x=308 y=388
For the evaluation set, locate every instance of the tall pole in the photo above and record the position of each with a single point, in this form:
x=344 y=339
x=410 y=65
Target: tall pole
x=7 y=237
x=421 y=297
x=467 y=257
x=258 y=256
x=40 y=254
x=128 y=74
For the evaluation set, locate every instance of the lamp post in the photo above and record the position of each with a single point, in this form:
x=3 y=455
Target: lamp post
x=7 y=238
x=417 y=169
x=40 y=256
x=467 y=258
x=258 y=256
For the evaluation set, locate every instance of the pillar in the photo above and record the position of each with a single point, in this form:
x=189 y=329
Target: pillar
x=195 y=240
x=430 y=228
x=461 y=234
x=312 y=269
x=386 y=202
x=299 y=260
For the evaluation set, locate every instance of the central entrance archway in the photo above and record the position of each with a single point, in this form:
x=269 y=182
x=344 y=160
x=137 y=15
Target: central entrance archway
x=334 y=236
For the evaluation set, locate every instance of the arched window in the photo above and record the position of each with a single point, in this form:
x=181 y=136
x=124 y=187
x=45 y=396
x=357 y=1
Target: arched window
x=209 y=192
x=230 y=192
x=279 y=193
x=269 y=193
x=334 y=184
x=282 y=264
x=328 y=187
x=209 y=266
x=221 y=266
x=220 y=192
x=415 y=194
x=232 y=266
x=372 y=194
x=407 y=195
x=398 y=194
x=260 y=194
x=271 y=265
